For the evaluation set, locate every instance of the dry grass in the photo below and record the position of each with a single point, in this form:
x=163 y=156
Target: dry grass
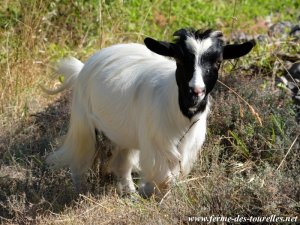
x=223 y=181
x=236 y=174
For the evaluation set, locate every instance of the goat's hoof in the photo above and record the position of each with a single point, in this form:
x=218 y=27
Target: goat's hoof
x=146 y=190
x=127 y=189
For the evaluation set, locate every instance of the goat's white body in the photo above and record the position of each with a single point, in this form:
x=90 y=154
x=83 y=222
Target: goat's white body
x=131 y=95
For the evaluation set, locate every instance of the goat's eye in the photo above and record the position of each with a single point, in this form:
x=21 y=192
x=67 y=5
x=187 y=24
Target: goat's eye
x=178 y=61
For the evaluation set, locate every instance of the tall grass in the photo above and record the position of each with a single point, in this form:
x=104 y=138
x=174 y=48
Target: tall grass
x=36 y=33
x=238 y=172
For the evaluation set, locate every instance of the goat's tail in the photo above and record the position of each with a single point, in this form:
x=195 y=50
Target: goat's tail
x=69 y=68
x=78 y=149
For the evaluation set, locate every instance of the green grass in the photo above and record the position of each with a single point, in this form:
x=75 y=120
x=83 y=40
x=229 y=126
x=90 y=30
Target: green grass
x=236 y=174
x=36 y=33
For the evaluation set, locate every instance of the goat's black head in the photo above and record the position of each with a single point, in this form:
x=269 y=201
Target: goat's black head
x=198 y=56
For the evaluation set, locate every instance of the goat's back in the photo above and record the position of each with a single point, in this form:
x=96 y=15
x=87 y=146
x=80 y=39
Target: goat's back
x=125 y=87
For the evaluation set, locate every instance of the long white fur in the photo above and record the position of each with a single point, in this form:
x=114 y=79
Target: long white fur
x=70 y=68
x=130 y=94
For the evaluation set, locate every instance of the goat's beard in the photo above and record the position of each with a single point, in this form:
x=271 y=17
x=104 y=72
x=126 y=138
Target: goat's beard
x=195 y=100
x=189 y=103
x=193 y=105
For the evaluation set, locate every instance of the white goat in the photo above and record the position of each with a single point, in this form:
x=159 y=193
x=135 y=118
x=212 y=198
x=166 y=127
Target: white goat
x=152 y=107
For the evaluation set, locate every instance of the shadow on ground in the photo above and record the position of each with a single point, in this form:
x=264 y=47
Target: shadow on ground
x=27 y=187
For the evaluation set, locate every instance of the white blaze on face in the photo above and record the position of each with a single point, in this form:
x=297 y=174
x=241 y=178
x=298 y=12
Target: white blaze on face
x=198 y=47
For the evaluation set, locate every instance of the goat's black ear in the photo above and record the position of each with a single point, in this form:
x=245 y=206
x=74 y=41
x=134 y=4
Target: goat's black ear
x=159 y=47
x=237 y=50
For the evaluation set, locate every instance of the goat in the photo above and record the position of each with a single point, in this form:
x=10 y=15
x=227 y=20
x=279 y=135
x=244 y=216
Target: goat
x=151 y=101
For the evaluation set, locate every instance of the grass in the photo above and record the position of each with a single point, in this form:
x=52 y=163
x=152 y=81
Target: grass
x=244 y=168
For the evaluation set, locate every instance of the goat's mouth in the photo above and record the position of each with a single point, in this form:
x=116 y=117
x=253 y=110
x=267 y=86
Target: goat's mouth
x=197 y=97
x=194 y=102
x=190 y=104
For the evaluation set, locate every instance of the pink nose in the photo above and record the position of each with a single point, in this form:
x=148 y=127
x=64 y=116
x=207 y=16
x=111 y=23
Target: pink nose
x=199 y=91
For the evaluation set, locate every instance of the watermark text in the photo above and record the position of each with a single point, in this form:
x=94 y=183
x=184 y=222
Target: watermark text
x=241 y=219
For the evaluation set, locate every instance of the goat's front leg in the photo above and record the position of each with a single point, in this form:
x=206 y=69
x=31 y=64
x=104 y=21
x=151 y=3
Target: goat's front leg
x=159 y=173
x=121 y=165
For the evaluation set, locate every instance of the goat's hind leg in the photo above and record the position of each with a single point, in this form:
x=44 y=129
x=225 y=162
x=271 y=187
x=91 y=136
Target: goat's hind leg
x=78 y=149
x=84 y=148
x=121 y=164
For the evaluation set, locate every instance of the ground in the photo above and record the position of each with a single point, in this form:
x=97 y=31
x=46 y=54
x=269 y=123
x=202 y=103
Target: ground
x=249 y=165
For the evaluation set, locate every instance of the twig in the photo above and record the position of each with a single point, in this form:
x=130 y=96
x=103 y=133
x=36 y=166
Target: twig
x=287 y=153
x=144 y=21
x=282 y=64
x=288 y=57
x=163 y=198
x=254 y=113
x=101 y=23
x=191 y=179
x=93 y=201
x=233 y=17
